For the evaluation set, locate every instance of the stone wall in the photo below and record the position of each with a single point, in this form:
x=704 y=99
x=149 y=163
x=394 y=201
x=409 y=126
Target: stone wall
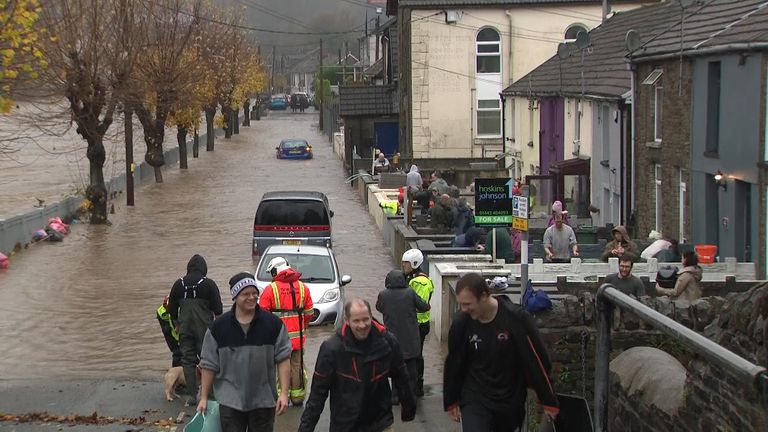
x=569 y=332
x=712 y=399
x=672 y=153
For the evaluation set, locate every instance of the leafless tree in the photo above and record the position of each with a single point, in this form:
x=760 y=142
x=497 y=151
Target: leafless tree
x=163 y=69
x=89 y=53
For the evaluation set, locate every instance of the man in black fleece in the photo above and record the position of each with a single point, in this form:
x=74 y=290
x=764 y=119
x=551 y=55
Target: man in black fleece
x=193 y=303
x=494 y=351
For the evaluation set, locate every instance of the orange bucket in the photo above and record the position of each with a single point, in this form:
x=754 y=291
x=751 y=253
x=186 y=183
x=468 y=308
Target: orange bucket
x=706 y=253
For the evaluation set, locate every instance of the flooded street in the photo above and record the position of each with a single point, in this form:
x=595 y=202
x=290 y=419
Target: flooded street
x=85 y=308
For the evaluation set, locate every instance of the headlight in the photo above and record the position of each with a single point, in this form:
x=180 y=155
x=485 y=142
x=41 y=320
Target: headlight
x=330 y=296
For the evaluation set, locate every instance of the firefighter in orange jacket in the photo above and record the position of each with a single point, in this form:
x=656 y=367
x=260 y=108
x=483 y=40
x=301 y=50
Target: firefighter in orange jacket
x=288 y=298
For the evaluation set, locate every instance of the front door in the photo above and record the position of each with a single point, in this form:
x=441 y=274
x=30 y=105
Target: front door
x=551 y=148
x=387 y=137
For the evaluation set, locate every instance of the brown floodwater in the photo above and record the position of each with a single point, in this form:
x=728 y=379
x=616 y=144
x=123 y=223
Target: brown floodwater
x=85 y=308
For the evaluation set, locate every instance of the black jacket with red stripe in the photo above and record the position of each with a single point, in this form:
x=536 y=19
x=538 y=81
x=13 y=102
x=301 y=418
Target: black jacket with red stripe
x=534 y=357
x=357 y=376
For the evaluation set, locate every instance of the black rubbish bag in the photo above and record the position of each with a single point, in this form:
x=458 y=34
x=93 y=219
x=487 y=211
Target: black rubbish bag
x=53 y=235
x=574 y=415
x=666 y=276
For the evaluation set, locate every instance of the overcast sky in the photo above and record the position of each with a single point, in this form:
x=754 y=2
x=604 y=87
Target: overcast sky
x=305 y=16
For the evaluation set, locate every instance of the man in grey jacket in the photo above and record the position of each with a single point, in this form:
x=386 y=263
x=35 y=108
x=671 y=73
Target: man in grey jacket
x=399 y=305
x=240 y=352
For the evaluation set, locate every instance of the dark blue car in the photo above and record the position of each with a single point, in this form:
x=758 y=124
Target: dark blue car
x=278 y=103
x=294 y=149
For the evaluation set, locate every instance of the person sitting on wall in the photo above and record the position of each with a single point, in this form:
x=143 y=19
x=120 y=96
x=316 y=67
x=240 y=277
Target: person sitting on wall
x=620 y=246
x=381 y=164
x=472 y=238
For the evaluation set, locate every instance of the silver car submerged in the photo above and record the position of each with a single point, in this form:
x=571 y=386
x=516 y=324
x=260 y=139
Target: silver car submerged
x=319 y=272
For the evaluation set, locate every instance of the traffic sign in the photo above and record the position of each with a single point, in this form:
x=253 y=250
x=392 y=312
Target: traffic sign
x=493 y=202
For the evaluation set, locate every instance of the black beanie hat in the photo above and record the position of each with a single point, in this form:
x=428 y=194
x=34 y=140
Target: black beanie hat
x=240 y=281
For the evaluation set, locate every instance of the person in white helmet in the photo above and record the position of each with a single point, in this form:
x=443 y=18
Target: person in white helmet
x=422 y=284
x=288 y=298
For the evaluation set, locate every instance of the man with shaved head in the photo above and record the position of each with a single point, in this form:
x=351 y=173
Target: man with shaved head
x=355 y=365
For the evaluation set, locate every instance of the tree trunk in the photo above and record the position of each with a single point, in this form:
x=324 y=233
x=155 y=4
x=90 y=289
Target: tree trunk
x=236 y=121
x=210 y=113
x=97 y=190
x=196 y=144
x=129 y=166
x=154 y=155
x=181 y=137
x=227 y=112
x=247 y=113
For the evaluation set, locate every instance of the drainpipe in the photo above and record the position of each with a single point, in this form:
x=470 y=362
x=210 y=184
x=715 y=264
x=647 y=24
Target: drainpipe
x=511 y=56
x=632 y=140
x=765 y=158
x=606 y=8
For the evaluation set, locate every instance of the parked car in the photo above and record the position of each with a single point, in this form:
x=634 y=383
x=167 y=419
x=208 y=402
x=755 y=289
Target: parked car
x=294 y=149
x=319 y=271
x=299 y=100
x=278 y=102
x=291 y=218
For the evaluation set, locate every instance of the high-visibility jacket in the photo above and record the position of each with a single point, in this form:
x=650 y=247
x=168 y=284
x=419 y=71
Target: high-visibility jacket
x=292 y=302
x=424 y=288
x=164 y=315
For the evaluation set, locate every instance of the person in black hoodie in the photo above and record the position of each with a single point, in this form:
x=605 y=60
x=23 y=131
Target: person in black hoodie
x=193 y=303
x=354 y=366
x=399 y=304
x=494 y=350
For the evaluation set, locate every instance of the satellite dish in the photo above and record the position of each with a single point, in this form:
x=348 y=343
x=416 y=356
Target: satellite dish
x=563 y=50
x=632 y=40
x=582 y=40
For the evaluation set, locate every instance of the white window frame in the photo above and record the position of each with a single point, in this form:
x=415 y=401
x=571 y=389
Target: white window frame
x=681 y=214
x=577 y=127
x=478 y=44
x=481 y=134
x=657 y=195
x=658 y=112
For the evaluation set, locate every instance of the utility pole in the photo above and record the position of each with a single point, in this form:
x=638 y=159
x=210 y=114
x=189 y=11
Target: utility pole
x=129 y=166
x=322 y=84
x=272 y=79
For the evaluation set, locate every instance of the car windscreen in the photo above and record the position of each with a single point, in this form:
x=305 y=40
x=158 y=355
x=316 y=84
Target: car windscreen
x=278 y=99
x=291 y=212
x=288 y=145
x=313 y=268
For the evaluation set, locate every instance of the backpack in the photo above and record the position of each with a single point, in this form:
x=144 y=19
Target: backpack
x=666 y=276
x=535 y=300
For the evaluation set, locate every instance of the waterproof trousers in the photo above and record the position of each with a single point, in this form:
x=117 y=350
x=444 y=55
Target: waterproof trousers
x=257 y=420
x=423 y=332
x=476 y=417
x=191 y=343
x=298 y=378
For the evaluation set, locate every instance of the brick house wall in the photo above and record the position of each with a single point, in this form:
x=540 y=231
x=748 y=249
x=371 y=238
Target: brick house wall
x=672 y=153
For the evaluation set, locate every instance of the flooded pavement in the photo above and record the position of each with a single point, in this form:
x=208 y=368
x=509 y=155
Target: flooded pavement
x=41 y=155
x=85 y=308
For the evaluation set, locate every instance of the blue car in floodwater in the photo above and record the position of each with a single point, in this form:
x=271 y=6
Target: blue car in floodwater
x=278 y=103
x=294 y=149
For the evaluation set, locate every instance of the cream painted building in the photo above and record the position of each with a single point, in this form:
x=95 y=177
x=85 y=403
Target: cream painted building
x=456 y=58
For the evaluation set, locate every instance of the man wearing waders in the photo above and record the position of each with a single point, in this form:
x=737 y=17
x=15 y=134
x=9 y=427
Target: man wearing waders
x=288 y=298
x=193 y=303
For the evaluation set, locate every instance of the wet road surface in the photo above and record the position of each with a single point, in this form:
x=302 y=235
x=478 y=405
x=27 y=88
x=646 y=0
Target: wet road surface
x=85 y=308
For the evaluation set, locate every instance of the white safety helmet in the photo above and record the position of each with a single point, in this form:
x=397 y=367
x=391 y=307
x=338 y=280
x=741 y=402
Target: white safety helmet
x=276 y=265
x=414 y=257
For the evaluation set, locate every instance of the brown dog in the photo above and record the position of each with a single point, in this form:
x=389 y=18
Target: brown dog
x=173 y=378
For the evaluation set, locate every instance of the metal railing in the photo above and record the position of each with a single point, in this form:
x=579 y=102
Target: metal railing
x=608 y=297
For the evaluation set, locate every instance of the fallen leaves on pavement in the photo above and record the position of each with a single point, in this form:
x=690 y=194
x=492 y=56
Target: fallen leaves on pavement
x=77 y=419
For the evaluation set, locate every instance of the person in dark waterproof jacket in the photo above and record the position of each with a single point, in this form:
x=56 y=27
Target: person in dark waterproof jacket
x=399 y=305
x=354 y=366
x=494 y=353
x=193 y=303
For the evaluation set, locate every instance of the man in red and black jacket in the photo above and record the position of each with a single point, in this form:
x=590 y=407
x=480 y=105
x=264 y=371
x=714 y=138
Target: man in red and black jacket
x=354 y=366
x=494 y=354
